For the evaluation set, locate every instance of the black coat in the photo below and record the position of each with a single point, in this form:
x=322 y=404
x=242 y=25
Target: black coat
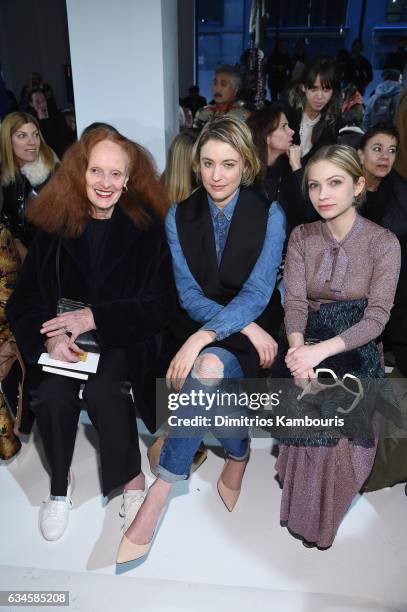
x=323 y=134
x=283 y=185
x=15 y=198
x=132 y=300
x=390 y=211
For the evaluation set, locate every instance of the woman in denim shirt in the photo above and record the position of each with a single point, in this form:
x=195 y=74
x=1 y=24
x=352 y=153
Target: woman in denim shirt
x=226 y=243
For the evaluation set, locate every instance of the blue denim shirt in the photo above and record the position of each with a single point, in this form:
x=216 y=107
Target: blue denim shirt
x=256 y=292
x=221 y=220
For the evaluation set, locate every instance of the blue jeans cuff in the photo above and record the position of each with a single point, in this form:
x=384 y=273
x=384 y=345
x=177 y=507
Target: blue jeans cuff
x=240 y=458
x=164 y=474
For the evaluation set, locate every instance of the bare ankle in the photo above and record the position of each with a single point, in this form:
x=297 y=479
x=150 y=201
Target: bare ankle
x=159 y=490
x=138 y=483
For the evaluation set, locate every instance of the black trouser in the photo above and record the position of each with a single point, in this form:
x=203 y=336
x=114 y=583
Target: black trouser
x=106 y=397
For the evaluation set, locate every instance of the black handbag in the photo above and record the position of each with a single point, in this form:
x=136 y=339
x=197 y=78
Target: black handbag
x=86 y=341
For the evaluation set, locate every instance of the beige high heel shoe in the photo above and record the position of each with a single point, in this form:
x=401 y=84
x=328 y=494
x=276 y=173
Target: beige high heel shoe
x=228 y=496
x=129 y=551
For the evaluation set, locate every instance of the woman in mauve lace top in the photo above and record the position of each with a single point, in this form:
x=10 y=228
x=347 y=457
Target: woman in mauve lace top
x=335 y=262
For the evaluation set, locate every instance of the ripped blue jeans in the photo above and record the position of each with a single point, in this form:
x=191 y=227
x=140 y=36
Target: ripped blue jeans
x=178 y=453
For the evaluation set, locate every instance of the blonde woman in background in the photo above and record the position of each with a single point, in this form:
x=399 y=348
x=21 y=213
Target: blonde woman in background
x=27 y=163
x=178 y=177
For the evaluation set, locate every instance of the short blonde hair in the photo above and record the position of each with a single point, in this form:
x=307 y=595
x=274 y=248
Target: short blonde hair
x=344 y=157
x=10 y=124
x=178 y=176
x=236 y=134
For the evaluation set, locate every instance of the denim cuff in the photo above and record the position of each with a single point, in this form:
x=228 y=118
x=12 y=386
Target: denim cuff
x=240 y=458
x=164 y=474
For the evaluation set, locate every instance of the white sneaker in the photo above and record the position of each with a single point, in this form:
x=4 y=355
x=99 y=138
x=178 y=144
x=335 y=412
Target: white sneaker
x=131 y=504
x=54 y=515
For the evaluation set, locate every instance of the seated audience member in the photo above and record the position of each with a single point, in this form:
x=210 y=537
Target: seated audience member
x=400 y=121
x=27 y=164
x=278 y=69
x=281 y=174
x=350 y=125
x=360 y=71
x=194 y=101
x=9 y=354
x=314 y=107
x=35 y=82
x=57 y=133
x=340 y=278
x=386 y=204
x=12 y=106
x=299 y=59
x=8 y=102
x=70 y=119
x=102 y=235
x=397 y=59
x=178 y=177
x=226 y=244
x=225 y=88
x=342 y=62
x=381 y=106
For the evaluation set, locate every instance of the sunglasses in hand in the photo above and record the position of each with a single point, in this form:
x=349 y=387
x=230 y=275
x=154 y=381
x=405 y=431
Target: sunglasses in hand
x=327 y=379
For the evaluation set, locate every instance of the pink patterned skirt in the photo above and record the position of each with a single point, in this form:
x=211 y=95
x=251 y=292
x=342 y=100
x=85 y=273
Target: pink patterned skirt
x=318 y=487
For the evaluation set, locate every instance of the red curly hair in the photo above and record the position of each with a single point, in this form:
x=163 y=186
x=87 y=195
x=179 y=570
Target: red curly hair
x=62 y=206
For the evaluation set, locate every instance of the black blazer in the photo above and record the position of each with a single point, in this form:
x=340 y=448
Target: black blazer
x=222 y=283
x=390 y=211
x=132 y=299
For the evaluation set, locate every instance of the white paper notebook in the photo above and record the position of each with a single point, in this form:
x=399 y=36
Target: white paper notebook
x=63 y=372
x=88 y=363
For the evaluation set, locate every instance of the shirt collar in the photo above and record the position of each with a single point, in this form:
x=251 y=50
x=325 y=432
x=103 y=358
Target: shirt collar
x=227 y=211
x=354 y=230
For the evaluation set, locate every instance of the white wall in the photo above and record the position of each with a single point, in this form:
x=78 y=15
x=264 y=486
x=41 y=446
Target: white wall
x=186 y=46
x=125 y=68
x=169 y=30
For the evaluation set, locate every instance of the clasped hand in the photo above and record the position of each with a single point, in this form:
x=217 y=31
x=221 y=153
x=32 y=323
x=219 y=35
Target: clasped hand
x=62 y=331
x=301 y=361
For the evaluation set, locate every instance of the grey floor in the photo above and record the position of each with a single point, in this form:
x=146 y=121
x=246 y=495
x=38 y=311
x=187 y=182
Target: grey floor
x=203 y=558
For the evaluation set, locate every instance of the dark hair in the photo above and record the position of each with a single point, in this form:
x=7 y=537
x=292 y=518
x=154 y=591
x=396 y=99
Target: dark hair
x=98 y=124
x=386 y=127
x=33 y=91
x=323 y=67
x=263 y=122
x=391 y=74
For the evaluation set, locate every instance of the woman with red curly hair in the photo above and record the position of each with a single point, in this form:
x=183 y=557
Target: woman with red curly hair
x=102 y=213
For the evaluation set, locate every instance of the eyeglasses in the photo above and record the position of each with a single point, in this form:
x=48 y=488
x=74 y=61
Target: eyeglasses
x=327 y=378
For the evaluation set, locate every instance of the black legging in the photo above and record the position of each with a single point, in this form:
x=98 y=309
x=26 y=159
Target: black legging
x=106 y=397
